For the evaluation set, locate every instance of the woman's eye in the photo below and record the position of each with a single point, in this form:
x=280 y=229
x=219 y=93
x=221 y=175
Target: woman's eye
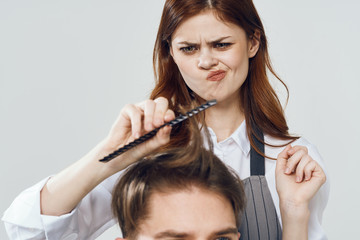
x=222 y=45
x=188 y=49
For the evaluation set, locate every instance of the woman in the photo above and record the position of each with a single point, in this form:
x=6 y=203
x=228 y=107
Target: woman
x=205 y=49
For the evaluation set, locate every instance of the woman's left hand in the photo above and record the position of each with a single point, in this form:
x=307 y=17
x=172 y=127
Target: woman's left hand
x=295 y=195
x=287 y=183
x=300 y=162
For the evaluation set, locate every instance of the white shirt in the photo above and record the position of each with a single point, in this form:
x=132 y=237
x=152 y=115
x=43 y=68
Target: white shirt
x=93 y=214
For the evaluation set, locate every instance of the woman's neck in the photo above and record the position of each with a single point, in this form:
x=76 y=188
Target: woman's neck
x=224 y=118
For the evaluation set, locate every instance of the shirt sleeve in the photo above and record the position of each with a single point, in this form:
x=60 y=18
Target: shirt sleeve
x=91 y=217
x=318 y=204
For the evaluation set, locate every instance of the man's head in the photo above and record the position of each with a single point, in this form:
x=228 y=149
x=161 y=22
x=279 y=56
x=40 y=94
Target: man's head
x=185 y=193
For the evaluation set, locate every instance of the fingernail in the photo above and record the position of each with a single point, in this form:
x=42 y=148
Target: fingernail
x=137 y=135
x=298 y=179
x=287 y=170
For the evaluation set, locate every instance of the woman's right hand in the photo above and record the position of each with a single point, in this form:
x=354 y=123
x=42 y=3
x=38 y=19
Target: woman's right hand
x=133 y=121
x=60 y=195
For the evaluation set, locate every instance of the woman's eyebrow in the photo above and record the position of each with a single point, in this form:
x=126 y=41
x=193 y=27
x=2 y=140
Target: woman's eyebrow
x=186 y=43
x=218 y=40
x=207 y=42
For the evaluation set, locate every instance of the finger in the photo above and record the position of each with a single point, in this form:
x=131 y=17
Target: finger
x=164 y=135
x=284 y=153
x=134 y=115
x=309 y=169
x=282 y=158
x=161 y=138
x=149 y=115
x=319 y=174
x=294 y=160
x=160 y=111
x=169 y=115
x=297 y=148
x=304 y=161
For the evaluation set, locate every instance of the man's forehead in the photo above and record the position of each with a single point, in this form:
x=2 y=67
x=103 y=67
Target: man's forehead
x=188 y=213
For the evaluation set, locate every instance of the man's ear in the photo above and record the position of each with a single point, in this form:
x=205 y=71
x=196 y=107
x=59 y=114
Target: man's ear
x=254 y=44
x=239 y=235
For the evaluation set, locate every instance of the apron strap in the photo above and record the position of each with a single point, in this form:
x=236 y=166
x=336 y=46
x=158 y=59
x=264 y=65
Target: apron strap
x=257 y=162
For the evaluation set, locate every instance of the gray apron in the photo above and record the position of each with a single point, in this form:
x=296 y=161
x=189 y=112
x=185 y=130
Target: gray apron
x=259 y=221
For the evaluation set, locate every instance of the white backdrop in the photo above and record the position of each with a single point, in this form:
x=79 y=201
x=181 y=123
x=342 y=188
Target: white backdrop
x=68 y=67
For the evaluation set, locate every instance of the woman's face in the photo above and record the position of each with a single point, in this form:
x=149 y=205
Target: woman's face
x=212 y=56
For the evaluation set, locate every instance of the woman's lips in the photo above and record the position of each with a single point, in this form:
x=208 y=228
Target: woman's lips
x=216 y=75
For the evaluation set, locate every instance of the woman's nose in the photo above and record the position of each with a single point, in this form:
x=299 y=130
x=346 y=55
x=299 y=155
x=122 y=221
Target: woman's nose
x=207 y=60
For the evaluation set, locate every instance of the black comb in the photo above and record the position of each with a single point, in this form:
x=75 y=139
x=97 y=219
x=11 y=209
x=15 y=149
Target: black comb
x=152 y=133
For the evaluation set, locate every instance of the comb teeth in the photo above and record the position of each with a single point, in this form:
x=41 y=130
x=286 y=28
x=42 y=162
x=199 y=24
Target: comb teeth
x=152 y=133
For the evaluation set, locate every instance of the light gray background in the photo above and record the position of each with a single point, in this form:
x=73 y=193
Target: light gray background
x=68 y=67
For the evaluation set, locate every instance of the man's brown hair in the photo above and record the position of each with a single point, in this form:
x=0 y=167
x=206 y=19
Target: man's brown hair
x=172 y=171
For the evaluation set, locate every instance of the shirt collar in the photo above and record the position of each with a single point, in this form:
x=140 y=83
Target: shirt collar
x=239 y=136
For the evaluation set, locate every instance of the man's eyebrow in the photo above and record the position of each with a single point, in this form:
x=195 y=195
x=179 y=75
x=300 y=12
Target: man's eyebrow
x=226 y=231
x=182 y=235
x=171 y=234
x=210 y=42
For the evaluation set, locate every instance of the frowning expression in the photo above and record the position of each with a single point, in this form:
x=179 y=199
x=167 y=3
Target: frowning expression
x=212 y=56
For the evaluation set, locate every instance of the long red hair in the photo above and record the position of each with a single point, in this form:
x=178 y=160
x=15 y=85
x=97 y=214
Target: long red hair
x=259 y=102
